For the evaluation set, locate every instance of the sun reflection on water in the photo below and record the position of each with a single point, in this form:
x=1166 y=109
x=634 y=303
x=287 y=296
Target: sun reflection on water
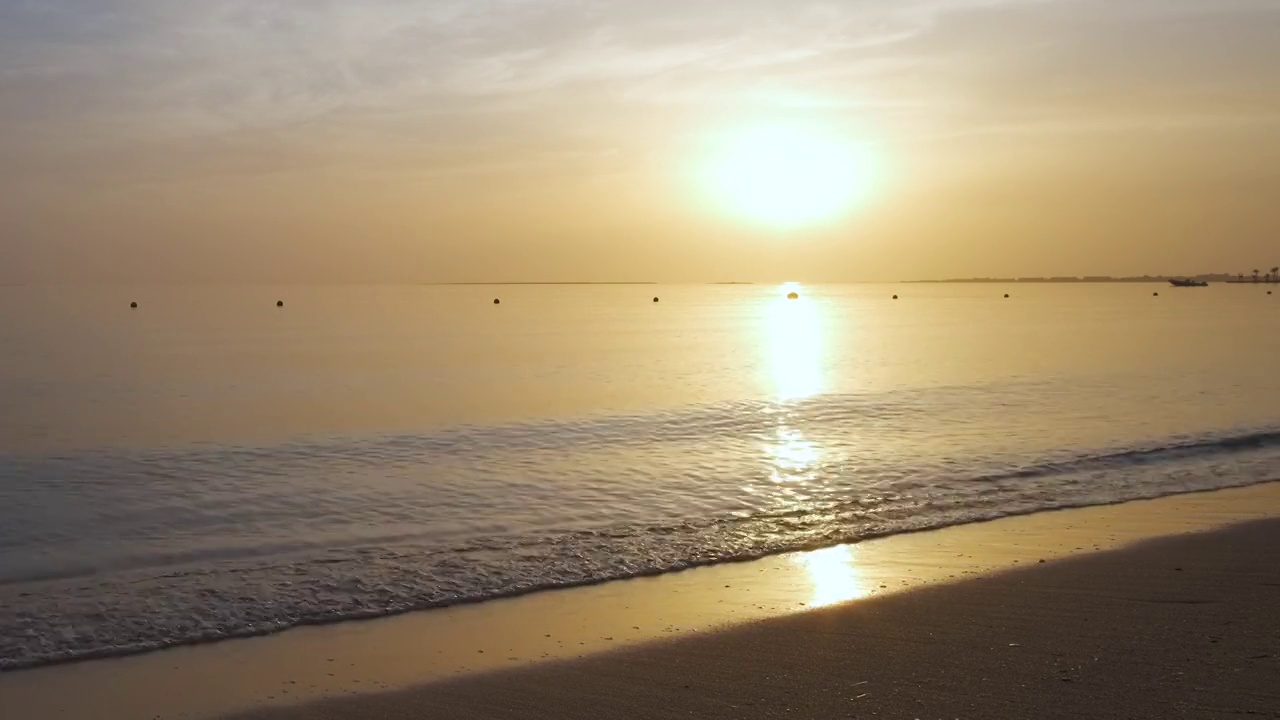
x=793 y=330
x=792 y=458
x=793 y=341
x=834 y=575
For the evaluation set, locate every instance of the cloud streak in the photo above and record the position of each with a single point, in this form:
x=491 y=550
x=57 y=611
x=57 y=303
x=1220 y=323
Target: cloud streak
x=151 y=67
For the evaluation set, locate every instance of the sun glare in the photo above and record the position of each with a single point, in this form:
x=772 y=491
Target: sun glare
x=834 y=575
x=787 y=176
x=793 y=339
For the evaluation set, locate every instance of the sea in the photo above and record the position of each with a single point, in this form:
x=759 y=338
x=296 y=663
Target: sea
x=211 y=465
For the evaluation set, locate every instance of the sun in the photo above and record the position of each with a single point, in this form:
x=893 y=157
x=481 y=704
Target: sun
x=786 y=176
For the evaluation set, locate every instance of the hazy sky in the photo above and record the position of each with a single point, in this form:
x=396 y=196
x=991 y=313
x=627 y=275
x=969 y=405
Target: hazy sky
x=441 y=140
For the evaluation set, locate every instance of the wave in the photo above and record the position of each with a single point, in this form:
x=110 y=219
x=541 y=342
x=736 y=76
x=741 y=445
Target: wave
x=242 y=541
x=1177 y=449
x=321 y=617
x=62 y=617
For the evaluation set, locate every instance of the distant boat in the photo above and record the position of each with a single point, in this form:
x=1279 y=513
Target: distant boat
x=1189 y=283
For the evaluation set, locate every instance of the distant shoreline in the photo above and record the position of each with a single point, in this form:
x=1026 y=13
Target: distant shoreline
x=572 y=282
x=1231 y=279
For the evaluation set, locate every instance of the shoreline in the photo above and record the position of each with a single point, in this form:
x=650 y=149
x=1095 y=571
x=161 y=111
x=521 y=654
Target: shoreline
x=696 y=565
x=1173 y=627
x=396 y=653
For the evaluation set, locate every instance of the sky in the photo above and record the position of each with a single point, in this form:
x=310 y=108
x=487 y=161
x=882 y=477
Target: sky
x=561 y=140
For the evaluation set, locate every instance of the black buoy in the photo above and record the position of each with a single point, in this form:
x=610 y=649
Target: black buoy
x=655 y=299
x=793 y=296
x=895 y=297
x=496 y=301
x=279 y=303
x=1155 y=294
x=133 y=305
x=1006 y=294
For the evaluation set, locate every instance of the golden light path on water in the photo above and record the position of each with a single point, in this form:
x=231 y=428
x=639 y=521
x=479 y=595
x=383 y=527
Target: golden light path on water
x=794 y=335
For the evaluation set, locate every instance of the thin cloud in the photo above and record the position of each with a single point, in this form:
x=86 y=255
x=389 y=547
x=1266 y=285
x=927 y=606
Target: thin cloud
x=284 y=83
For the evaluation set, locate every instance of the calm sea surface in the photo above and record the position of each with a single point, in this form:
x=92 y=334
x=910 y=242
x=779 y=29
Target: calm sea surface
x=209 y=465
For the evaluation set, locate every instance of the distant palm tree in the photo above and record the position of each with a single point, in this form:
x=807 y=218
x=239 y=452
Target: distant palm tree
x=1275 y=274
x=1255 y=276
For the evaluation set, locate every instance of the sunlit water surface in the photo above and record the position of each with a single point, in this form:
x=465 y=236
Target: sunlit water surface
x=210 y=465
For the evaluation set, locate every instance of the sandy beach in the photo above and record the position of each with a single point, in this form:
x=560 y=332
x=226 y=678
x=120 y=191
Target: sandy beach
x=1175 y=628
x=1158 y=608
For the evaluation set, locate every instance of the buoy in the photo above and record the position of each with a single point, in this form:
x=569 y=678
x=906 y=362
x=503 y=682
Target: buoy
x=655 y=299
x=133 y=305
x=1006 y=294
x=496 y=301
x=1155 y=294
x=279 y=303
x=793 y=296
x=895 y=297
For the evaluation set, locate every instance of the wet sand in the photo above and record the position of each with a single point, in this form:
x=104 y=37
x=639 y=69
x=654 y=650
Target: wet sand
x=921 y=620
x=1178 y=628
